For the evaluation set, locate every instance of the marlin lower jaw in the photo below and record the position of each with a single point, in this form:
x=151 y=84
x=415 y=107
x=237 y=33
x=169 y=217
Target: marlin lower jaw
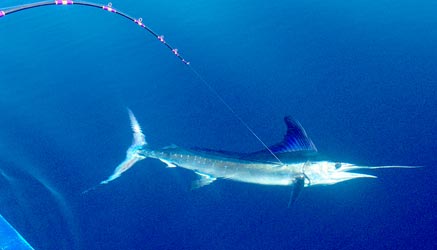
x=337 y=177
x=343 y=174
x=329 y=173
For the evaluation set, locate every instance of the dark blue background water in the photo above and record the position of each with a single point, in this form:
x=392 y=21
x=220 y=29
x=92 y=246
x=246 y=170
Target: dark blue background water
x=360 y=76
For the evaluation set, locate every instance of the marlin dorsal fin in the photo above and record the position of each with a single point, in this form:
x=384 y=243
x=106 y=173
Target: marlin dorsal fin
x=295 y=142
x=295 y=139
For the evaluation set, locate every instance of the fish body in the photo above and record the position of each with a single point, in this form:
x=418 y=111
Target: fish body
x=231 y=167
x=293 y=161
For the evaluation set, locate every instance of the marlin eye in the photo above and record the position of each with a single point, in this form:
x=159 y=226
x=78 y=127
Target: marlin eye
x=337 y=165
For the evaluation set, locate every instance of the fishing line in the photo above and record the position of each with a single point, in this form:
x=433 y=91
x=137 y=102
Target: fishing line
x=206 y=83
x=139 y=22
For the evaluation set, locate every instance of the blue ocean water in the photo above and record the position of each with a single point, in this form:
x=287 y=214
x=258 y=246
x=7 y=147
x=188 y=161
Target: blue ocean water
x=359 y=75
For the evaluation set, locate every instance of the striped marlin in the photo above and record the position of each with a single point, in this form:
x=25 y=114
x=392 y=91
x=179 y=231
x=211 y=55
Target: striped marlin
x=296 y=162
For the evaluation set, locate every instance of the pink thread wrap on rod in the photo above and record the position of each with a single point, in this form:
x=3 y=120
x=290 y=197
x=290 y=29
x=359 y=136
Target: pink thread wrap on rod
x=110 y=9
x=63 y=2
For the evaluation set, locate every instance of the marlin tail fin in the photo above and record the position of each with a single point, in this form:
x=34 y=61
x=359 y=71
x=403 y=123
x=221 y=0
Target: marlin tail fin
x=133 y=154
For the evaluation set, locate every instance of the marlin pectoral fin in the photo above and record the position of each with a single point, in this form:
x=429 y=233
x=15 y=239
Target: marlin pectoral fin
x=203 y=180
x=298 y=185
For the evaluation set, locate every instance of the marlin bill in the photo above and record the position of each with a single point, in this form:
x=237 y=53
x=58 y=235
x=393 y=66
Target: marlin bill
x=293 y=161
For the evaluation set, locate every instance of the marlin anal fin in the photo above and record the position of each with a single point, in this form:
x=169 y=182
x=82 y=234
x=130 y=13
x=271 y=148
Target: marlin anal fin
x=134 y=152
x=298 y=185
x=169 y=164
x=203 y=180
